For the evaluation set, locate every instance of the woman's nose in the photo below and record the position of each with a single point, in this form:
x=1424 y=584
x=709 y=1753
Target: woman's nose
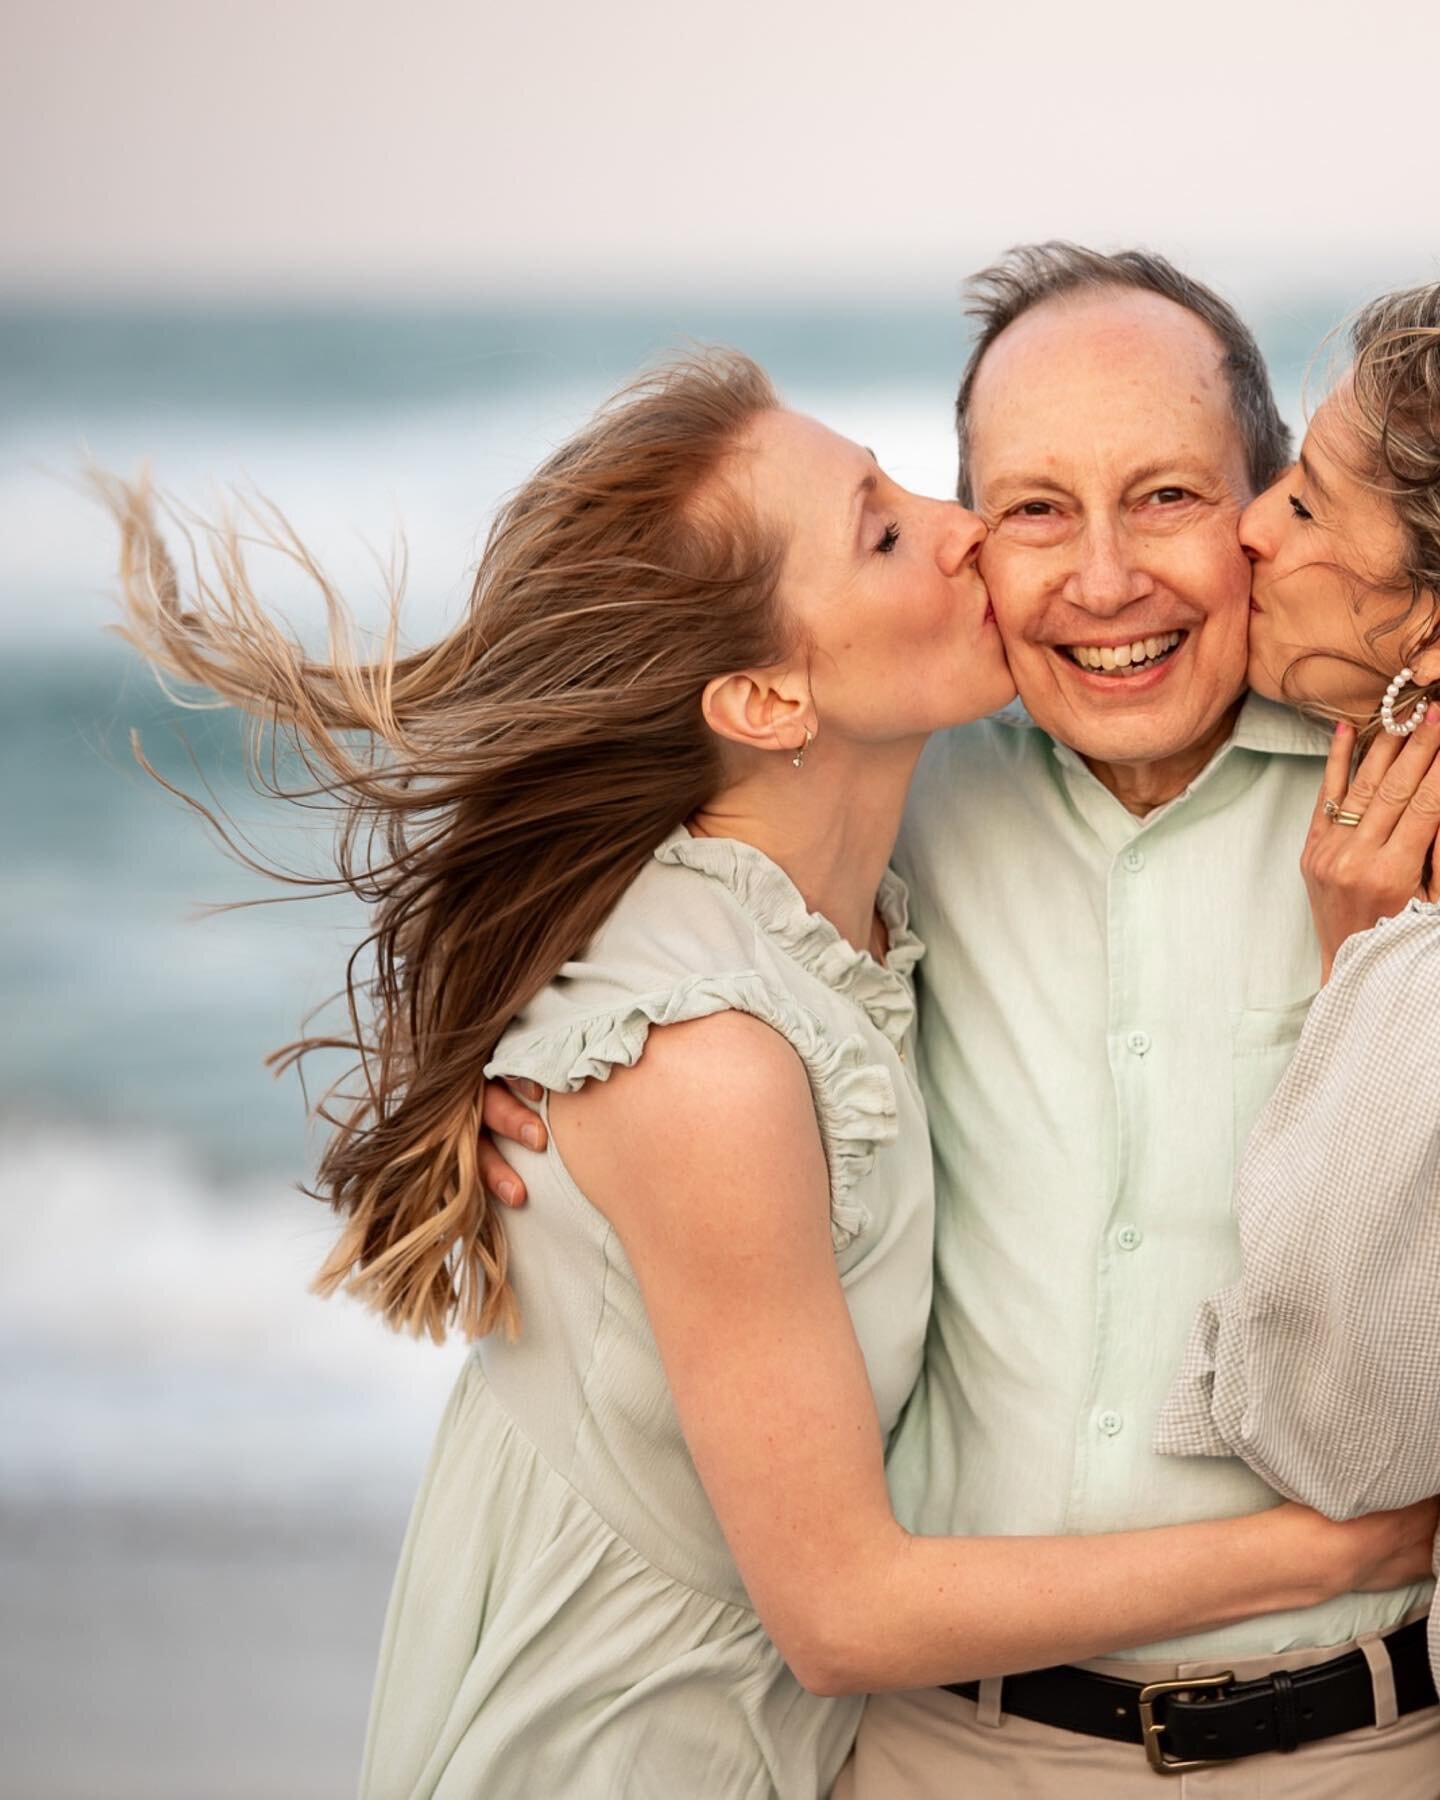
x=1258 y=521
x=961 y=535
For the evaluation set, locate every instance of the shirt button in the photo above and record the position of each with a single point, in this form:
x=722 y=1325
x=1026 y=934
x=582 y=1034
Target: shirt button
x=1138 y=1042
x=1134 y=861
x=1110 y=1423
x=1128 y=1237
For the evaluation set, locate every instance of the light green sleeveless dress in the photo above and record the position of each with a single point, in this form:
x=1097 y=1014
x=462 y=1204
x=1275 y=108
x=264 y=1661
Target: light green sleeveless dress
x=566 y=1619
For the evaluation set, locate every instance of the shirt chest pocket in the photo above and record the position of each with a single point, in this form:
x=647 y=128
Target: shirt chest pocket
x=1264 y=1041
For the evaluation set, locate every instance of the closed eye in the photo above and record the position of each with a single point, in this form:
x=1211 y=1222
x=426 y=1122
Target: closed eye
x=889 y=539
x=1299 y=509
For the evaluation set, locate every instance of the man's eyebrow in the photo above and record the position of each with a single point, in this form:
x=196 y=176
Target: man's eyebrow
x=1022 y=480
x=1164 y=465
x=1308 y=470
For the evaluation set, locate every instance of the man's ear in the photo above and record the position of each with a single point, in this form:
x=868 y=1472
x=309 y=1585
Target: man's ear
x=759 y=710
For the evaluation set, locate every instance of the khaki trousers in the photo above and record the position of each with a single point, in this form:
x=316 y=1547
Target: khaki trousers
x=931 y=1745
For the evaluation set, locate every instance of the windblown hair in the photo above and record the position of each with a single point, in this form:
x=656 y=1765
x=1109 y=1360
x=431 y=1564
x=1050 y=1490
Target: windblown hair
x=495 y=793
x=1031 y=274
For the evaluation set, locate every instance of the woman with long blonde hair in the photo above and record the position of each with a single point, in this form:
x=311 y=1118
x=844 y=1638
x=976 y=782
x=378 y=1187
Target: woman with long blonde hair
x=625 y=834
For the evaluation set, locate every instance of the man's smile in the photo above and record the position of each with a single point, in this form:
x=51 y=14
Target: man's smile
x=1125 y=660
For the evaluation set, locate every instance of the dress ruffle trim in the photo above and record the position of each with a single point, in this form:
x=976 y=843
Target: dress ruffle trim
x=854 y=1097
x=767 y=893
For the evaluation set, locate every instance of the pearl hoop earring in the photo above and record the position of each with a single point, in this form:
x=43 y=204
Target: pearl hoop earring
x=1387 y=706
x=798 y=759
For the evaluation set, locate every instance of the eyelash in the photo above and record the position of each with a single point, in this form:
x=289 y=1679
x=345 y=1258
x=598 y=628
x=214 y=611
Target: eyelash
x=890 y=539
x=1299 y=511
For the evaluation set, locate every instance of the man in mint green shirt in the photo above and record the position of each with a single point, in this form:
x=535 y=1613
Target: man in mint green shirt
x=1120 y=958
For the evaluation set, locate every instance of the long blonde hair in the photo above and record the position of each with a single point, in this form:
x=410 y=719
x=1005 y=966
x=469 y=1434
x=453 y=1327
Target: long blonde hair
x=496 y=792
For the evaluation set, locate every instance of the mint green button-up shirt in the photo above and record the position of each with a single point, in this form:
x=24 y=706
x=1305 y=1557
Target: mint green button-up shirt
x=1106 y=1003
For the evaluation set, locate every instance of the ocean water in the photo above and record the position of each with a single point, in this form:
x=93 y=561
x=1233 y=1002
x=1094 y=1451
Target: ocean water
x=160 y=1358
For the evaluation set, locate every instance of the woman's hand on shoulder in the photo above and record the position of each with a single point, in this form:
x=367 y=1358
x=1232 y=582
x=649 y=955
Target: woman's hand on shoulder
x=1359 y=873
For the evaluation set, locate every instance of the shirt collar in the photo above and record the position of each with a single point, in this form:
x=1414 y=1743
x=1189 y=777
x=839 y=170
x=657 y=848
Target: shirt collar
x=1262 y=727
x=1276 y=730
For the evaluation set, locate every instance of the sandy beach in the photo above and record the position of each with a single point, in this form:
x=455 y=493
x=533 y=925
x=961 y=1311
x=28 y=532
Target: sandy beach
x=186 y=1658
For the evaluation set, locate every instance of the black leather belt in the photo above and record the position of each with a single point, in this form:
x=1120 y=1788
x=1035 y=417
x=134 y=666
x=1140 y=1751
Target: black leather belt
x=1214 y=1718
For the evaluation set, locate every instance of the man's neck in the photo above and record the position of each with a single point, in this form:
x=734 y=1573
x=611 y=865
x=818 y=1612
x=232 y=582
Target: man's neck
x=1142 y=787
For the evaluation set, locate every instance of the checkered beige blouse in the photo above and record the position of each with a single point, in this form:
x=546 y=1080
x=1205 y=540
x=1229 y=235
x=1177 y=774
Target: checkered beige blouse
x=1320 y=1366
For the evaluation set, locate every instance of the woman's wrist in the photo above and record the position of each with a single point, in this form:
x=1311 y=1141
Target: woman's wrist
x=1318 y=1560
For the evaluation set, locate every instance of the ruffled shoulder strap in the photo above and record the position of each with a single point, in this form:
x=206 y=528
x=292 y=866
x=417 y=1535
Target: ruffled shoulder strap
x=854 y=1097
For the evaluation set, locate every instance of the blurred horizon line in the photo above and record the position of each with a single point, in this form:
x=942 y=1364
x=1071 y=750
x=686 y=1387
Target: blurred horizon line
x=1256 y=276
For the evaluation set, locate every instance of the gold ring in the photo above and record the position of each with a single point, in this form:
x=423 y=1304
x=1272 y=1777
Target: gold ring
x=1348 y=818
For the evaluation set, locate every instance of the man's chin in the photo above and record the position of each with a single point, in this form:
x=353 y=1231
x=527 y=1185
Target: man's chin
x=1105 y=732
x=1125 y=719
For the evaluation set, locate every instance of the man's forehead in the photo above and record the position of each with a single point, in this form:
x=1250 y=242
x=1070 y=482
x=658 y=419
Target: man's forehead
x=1125 y=379
x=1110 y=332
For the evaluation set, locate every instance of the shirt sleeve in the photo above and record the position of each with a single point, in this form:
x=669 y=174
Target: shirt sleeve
x=1320 y=1366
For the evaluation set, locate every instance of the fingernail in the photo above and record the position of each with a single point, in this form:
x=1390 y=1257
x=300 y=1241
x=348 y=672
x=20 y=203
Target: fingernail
x=509 y=1192
x=533 y=1136
x=532 y=1089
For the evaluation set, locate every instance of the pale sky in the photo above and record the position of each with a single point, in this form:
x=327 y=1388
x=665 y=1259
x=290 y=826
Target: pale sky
x=360 y=147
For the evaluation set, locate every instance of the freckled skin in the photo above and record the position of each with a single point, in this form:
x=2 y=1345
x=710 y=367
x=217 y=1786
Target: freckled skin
x=1108 y=465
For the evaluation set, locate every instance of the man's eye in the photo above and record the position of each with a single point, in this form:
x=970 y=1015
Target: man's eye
x=1034 y=509
x=1298 y=508
x=1170 y=496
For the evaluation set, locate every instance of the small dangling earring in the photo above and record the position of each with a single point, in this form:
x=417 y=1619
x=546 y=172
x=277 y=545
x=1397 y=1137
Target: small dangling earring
x=798 y=759
x=1387 y=706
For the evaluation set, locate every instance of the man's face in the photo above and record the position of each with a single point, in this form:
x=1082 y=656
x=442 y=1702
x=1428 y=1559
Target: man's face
x=1108 y=465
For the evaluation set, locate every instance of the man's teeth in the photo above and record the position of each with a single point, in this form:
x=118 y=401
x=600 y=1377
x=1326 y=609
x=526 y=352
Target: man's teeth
x=1125 y=656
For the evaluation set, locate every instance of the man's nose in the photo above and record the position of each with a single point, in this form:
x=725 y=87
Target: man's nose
x=1105 y=578
x=960 y=536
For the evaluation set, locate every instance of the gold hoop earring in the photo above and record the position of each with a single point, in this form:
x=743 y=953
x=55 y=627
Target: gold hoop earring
x=798 y=759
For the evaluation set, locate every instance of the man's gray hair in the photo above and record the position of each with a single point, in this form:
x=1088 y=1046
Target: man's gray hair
x=1031 y=274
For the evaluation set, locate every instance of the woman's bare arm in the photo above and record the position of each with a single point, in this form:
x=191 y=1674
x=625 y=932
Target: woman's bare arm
x=707 y=1160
